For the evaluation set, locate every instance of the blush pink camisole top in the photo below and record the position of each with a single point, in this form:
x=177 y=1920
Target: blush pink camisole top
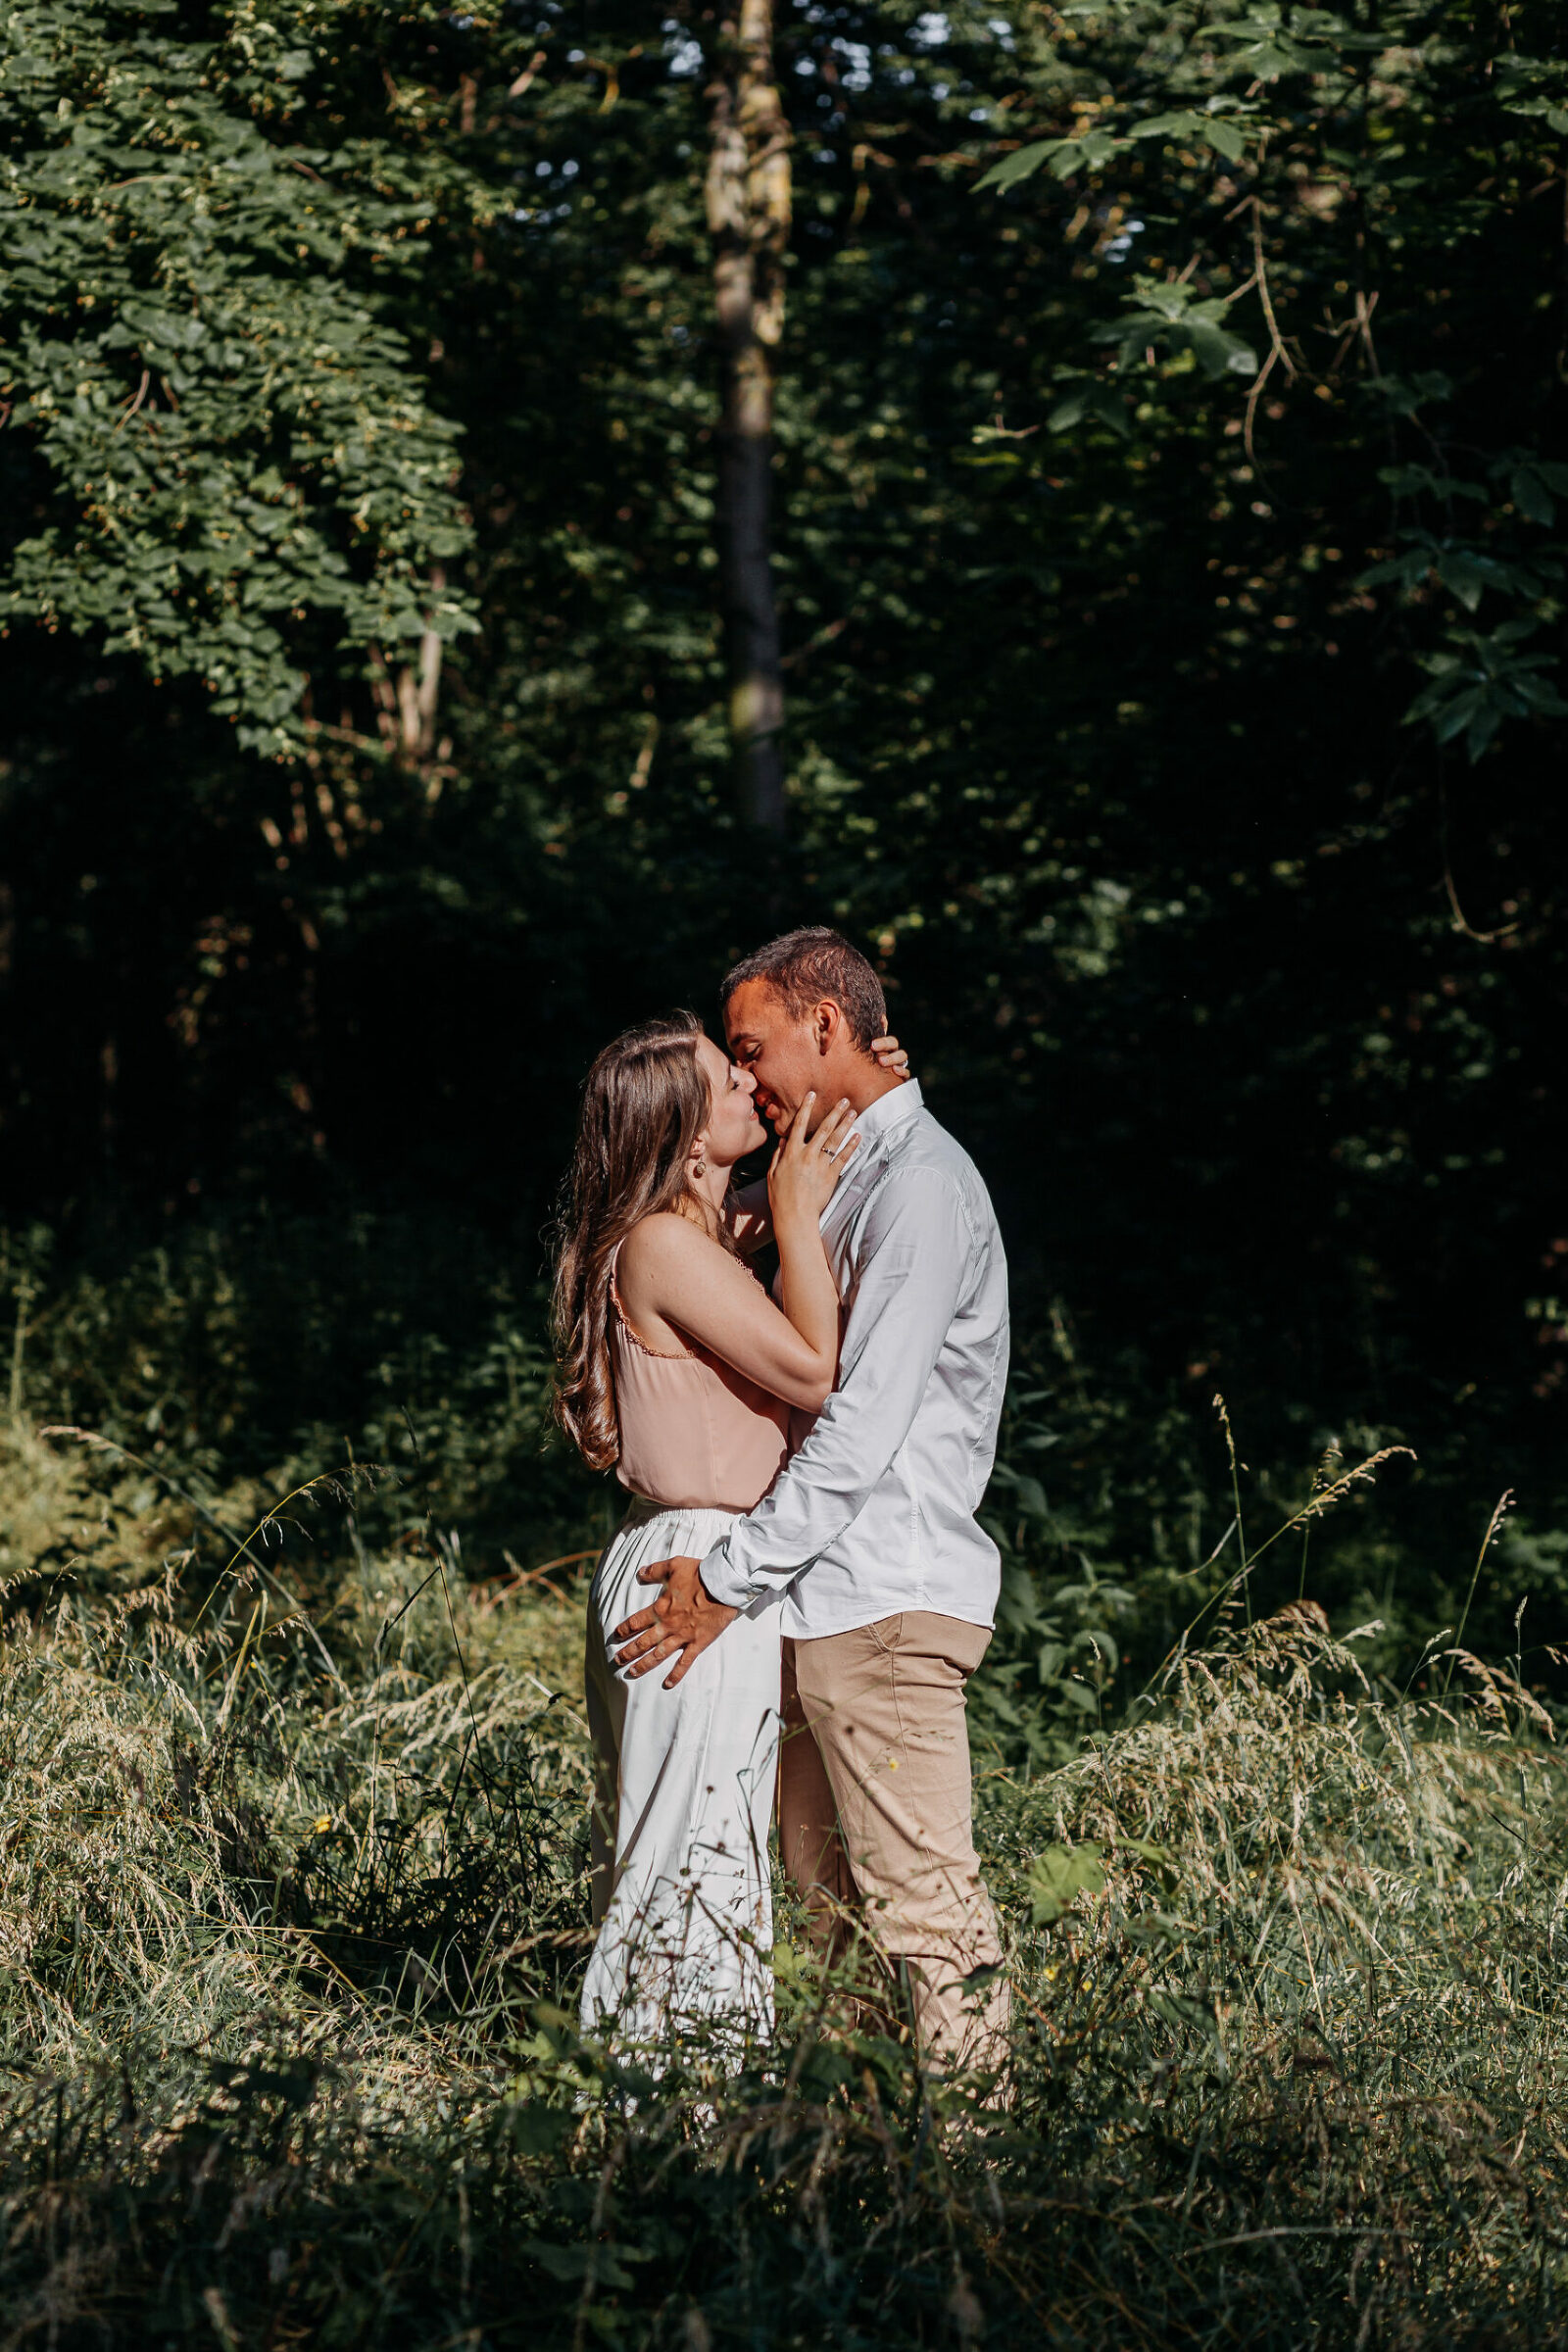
x=695 y=1434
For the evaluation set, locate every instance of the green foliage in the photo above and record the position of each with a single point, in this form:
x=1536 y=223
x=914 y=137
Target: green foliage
x=1171 y=315
x=232 y=1365
x=1117 y=512
x=1345 y=165
x=1244 y=993
x=1057 y=1874
x=231 y=455
x=226 y=1367
x=1484 y=681
x=289 y=1964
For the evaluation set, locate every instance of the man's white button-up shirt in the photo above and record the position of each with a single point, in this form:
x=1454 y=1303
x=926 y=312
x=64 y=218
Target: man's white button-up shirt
x=874 y=1513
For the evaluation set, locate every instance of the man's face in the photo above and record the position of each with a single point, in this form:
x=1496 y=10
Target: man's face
x=779 y=1051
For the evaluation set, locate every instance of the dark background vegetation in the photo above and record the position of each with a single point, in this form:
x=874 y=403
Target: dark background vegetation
x=1246 y=990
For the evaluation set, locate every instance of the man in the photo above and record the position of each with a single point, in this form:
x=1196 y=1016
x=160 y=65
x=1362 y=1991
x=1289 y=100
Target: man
x=889 y=1585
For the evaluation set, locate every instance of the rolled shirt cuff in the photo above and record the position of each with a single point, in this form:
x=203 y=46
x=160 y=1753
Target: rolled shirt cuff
x=722 y=1581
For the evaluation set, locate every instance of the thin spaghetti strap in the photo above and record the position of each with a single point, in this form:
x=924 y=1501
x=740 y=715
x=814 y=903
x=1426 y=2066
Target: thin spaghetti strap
x=661 y=1354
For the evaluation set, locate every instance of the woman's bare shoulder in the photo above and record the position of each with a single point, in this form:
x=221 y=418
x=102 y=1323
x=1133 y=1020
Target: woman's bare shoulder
x=668 y=1239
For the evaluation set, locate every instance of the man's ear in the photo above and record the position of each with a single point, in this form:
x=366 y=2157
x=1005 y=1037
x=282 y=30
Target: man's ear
x=826 y=1021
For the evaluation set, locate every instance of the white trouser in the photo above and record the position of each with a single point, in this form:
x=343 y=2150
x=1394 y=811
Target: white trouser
x=683 y=1802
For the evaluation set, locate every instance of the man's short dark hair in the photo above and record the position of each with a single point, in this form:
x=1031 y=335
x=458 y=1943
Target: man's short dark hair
x=806 y=966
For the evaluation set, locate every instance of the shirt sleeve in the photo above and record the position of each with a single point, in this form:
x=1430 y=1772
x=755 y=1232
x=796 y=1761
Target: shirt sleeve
x=913 y=1264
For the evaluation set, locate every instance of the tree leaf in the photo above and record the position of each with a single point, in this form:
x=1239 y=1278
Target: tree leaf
x=1218 y=351
x=1531 y=495
x=1058 y=1874
x=1022 y=164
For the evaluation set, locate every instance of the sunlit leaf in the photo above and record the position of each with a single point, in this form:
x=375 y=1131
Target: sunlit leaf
x=1059 y=1874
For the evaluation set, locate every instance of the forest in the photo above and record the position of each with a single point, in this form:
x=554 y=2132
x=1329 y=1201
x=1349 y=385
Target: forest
x=503 y=509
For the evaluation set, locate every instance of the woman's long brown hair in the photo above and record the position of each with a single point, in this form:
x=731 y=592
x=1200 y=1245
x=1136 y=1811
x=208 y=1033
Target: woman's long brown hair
x=644 y=1104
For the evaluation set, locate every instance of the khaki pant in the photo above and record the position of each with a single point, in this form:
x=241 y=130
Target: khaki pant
x=875 y=1815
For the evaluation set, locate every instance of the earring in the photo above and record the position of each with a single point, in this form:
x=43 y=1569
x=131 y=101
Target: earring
x=699 y=1167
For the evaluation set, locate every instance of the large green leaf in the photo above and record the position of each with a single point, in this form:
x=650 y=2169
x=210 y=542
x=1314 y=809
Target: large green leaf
x=1058 y=1874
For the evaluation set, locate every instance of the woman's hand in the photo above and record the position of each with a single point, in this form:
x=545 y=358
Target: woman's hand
x=806 y=1168
x=891 y=1055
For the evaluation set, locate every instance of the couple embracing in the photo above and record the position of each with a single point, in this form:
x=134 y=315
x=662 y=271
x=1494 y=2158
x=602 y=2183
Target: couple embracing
x=800 y=1590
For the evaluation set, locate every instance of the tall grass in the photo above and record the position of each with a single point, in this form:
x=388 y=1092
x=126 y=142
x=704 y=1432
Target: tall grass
x=292 y=1912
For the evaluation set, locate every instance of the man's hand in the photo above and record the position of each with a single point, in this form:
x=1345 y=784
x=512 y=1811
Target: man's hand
x=684 y=1619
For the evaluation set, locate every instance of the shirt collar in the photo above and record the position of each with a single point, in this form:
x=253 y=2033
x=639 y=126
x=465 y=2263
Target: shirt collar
x=889 y=1110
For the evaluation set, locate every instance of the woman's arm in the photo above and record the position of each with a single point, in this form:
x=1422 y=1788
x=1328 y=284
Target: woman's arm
x=677 y=1285
x=800 y=1181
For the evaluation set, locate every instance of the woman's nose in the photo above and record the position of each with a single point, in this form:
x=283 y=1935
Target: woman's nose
x=746 y=1078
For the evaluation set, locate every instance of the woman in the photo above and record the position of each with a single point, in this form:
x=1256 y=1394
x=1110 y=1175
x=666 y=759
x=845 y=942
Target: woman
x=678 y=1370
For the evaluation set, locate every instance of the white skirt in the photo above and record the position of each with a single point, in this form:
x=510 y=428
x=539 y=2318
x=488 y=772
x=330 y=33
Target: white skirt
x=683 y=1803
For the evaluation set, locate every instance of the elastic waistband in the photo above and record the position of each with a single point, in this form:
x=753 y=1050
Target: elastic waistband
x=640 y=1508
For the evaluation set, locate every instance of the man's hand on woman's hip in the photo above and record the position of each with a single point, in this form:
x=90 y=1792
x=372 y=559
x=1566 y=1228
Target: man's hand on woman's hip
x=681 y=1623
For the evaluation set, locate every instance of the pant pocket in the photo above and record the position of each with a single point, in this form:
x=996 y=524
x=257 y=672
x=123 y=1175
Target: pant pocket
x=886 y=1631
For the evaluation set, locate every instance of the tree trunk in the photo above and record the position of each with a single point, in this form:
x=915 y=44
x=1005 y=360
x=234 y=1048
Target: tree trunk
x=749 y=216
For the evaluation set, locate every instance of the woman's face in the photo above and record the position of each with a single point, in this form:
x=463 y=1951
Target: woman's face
x=732 y=1127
